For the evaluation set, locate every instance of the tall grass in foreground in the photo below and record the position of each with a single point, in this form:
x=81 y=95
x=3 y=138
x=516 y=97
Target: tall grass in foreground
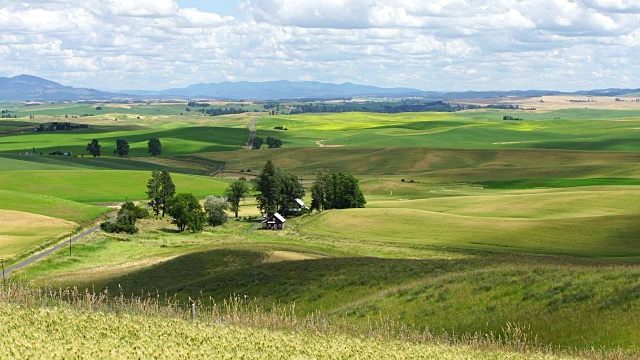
x=23 y=308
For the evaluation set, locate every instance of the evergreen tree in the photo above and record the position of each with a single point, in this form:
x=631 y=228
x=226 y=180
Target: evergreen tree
x=268 y=185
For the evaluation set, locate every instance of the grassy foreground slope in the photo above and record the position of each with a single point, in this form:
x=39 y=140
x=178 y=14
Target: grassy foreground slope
x=84 y=334
x=562 y=301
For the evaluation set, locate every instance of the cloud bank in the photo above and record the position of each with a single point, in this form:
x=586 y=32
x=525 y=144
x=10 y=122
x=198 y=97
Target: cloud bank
x=432 y=45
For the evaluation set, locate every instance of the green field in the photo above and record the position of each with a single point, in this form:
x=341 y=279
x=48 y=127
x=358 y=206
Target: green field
x=21 y=231
x=576 y=130
x=103 y=186
x=471 y=222
x=49 y=206
x=175 y=141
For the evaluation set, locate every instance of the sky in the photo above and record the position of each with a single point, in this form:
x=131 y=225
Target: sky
x=439 y=45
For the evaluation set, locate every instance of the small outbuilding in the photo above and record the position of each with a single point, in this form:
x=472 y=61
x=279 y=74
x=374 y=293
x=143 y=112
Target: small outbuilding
x=274 y=222
x=300 y=205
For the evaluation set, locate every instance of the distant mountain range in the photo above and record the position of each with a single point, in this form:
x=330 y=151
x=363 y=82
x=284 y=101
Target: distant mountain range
x=276 y=90
x=32 y=88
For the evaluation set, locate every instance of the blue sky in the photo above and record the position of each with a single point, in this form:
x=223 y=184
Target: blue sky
x=431 y=45
x=222 y=7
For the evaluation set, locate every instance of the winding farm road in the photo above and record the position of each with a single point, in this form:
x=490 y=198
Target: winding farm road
x=30 y=260
x=252 y=132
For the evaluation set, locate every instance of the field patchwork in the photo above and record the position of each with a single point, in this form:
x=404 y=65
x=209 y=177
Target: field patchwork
x=20 y=231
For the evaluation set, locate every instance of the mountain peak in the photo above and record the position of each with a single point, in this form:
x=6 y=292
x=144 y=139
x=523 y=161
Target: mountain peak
x=28 y=87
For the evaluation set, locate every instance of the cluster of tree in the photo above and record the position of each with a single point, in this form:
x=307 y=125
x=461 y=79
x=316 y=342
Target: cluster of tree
x=122 y=147
x=336 y=191
x=197 y=104
x=60 y=153
x=186 y=212
x=61 y=126
x=374 y=106
x=257 y=142
x=280 y=127
x=507 y=117
x=128 y=214
x=273 y=142
x=222 y=111
x=184 y=209
x=503 y=106
x=6 y=114
x=277 y=191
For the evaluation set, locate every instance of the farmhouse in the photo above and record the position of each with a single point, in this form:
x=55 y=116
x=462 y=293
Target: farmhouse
x=274 y=222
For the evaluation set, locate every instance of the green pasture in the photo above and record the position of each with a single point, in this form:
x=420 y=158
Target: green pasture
x=575 y=129
x=530 y=204
x=599 y=236
x=49 y=205
x=175 y=141
x=10 y=162
x=109 y=109
x=103 y=186
x=441 y=164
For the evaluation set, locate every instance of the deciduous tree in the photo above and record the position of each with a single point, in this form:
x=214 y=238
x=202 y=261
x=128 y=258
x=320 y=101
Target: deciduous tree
x=216 y=209
x=187 y=212
x=336 y=191
x=94 y=147
x=155 y=147
x=273 y=142
x=122 y=148
x=236 y=192
x=160 y=189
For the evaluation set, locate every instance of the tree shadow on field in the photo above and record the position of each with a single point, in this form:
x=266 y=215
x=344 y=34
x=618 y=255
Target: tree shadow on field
x=170 y=231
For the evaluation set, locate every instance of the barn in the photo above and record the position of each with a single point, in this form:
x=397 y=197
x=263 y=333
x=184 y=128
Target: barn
x=274 y=222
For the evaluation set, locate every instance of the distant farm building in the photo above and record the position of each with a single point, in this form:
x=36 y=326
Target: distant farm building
x=299 y=205
x=274 y=222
